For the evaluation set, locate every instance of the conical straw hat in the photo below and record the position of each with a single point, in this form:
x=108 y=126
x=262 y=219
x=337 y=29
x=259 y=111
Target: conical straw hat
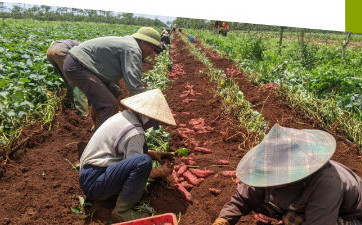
x=152 y=104
x=285 y=155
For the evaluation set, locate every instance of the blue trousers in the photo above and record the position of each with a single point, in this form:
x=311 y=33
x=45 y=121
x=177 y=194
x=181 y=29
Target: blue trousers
x=126 y=178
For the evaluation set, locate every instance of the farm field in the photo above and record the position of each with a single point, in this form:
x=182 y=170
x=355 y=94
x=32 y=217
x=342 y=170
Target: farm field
x=216 y=106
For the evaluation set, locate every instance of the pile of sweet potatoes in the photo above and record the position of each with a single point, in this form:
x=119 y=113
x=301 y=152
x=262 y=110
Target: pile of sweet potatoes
x=184 y=177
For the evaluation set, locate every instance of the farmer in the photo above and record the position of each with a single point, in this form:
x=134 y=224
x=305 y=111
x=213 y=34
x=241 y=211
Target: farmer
x=165 y=37
x=191 y=38
x=226 y=28
x=174 y=27
x=56 y=54
x=115 y=161
x=289 y=176
x=108 y=59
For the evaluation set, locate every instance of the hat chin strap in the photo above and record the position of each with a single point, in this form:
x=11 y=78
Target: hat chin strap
x=138 y=116
x=145 y=120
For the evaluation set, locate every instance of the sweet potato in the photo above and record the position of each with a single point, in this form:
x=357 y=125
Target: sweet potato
x=185 y=131
x=203 y=150
x=177 y=167
x=228 y=173
x=187 y=100
x=193 y=142
x=184 y=192
x=185 y=94
x=189 y=86
x=215 y=191
x=223 y=162
x=192 y=179
x=188 y=160
x=174 y=176
x=181 y=170
x=201 y=173
x=187 y=184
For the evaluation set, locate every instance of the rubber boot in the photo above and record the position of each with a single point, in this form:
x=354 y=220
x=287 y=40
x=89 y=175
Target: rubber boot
x=123 y=212
x=80 y=102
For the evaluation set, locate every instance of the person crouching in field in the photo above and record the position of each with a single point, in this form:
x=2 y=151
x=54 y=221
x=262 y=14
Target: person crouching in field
x=289 y=176
x=95 y=62
x=165 y=37
x=116 y=160
x=56 y=54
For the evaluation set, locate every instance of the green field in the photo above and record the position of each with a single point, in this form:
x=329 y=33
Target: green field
x=30 y=90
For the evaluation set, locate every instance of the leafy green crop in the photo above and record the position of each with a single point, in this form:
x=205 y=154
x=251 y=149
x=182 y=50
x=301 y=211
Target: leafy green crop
x=30 y=90
x=320 y=72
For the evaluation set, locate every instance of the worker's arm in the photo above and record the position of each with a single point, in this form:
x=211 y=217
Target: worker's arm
x=131 y=60
x=240 y=204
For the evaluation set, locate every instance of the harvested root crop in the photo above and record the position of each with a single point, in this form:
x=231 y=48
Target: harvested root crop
x=223 y=162
x=203 y=150
x=185 y=193
x=215 y=191
x=181 y=170
x=231 y=174
x=201 y=173
x=191 y=178
x=188 y=160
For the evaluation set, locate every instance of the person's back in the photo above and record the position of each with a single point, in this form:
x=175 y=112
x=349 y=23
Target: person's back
x=165 y=38
x=94 y=55
x=352 y=191
x=57 y=52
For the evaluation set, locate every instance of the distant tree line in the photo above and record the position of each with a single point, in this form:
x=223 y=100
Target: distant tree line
x=209 y=24
x=43 y=12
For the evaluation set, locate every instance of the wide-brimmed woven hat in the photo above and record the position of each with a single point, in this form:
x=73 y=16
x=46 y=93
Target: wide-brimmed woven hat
x=285 y=155
x=152 y=104
x=149 y=35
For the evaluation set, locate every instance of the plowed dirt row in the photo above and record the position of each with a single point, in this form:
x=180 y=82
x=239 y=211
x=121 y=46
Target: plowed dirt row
x=275 y=110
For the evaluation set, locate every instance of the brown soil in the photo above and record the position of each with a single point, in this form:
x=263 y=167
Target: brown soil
x=38 y=185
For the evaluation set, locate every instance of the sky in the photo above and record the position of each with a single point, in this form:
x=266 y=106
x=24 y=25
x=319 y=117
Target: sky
x=164 y=19
x=313 y=14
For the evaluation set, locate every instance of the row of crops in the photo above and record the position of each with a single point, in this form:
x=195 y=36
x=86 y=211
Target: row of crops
x=29 y=89
x=321 y=71
x=329 y=88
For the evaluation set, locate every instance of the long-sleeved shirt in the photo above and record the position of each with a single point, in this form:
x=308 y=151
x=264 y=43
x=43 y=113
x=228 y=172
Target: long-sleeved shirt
x=113 y=58
x=332 y=191
x=118 y=138
x=57 y=53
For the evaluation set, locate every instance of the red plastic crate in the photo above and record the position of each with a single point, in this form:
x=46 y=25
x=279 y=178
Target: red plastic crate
x=153 y=220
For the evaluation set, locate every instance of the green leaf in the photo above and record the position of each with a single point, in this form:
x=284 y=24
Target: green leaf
x=81 y=200
x=4 y=94
x=183 y=152
x=22 y=113
x=11 y=113
x=24 y=80
x=77 y=211
x=3 y=83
